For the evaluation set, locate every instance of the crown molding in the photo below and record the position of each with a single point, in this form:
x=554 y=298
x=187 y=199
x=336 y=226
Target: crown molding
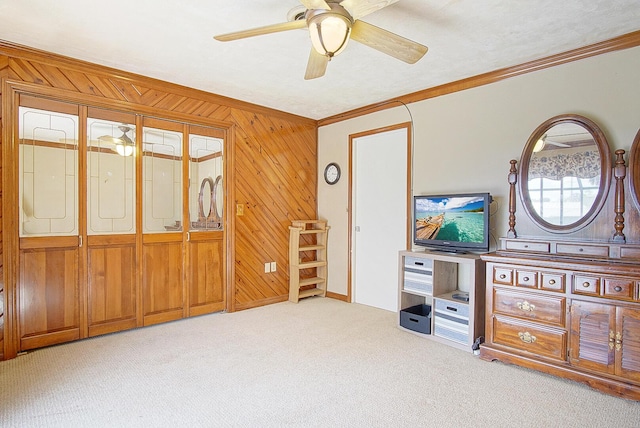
x=625 y=41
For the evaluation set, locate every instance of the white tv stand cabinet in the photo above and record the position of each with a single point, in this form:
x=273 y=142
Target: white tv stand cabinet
x=433 y=278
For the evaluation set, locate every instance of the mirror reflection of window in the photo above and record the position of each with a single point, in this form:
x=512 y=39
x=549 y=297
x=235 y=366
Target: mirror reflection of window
x=205 y=175
x=110 y=177
x=48 y=171
x=162 y=177
x=564 y=174
x=563 y=201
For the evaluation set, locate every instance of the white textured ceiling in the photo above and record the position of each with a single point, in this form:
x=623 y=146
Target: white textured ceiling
x=173 y=41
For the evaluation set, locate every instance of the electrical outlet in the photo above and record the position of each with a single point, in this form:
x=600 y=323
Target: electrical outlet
x=267 y=267
x=239 y=209
x=273 y=266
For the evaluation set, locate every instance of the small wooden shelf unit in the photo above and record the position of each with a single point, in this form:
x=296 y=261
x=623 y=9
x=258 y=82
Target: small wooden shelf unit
x=307 y=259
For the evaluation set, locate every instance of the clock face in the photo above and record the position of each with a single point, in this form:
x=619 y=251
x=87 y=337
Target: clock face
x=332 y=173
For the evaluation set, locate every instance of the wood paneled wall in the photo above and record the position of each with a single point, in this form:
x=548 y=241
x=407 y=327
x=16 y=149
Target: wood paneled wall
x=271 y=156
x=4 y=72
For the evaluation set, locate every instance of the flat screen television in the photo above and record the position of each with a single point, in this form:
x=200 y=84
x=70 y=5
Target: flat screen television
x=452 y=223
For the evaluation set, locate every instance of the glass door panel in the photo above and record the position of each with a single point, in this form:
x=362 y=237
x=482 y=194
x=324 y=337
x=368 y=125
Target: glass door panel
x=205 y=247
x=111 y=222
x=162 y=217
x=162 y=172
x=47 y=285
x=111 y=177
x=206 y=193
x=48 y=173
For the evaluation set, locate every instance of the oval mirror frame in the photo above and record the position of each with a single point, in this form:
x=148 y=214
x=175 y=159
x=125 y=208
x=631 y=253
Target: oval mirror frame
x=201 y=196
x=605 y=173
x=634 y=170
x=217 y=200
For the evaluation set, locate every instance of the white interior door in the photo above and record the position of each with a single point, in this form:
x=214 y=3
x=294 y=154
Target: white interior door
x=379 y=219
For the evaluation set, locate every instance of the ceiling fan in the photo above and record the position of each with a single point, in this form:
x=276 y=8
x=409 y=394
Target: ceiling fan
x=124 y=145
x=331 y=24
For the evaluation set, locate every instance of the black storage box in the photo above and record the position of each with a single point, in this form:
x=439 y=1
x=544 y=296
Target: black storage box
x=417 y=318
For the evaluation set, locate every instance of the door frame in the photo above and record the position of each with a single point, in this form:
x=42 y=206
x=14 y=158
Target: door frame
x=409 y=128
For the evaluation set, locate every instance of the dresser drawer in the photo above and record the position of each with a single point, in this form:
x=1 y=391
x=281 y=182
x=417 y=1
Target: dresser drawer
x=583 y=250
x=619 y=288
x=530 y=337
x=526 y=278
x=588 y=285
x=552 y=281
x=537 y=247
x=540 y=308
x=632 y=253
x=502 y=275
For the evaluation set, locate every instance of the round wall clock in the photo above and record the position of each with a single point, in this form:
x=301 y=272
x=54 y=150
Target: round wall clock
x=332 y=173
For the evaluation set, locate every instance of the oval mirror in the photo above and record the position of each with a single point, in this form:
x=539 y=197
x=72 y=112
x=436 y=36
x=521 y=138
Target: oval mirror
x=218 y=200
x=206 y=199
x=634 y=170
x=565 y=172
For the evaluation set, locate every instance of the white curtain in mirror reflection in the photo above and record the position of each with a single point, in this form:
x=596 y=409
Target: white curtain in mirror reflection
x=48 y=173
x=557 y=164
x=111 y=179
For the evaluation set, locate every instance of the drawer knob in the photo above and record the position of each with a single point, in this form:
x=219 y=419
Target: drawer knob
x=586 y=284
x=527 y=337
x=526 y=306
x=502 y=276
x=552 y=281
x=617 y=288
x=525 y=279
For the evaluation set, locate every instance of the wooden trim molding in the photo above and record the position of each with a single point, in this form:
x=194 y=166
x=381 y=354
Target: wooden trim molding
x=15 y=50
x=625 y=41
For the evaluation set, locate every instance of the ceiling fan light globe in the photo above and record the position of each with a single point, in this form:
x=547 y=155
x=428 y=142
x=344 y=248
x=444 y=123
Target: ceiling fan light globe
x=542 y=141
x=124 y=149
x=329 y=33
x=538 y=146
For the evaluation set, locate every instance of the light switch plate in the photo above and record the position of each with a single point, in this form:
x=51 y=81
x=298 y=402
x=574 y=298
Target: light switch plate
x=267 y=267
x=273 y=266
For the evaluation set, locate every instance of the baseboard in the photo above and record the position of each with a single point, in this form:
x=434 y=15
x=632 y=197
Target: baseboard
x=337 y=296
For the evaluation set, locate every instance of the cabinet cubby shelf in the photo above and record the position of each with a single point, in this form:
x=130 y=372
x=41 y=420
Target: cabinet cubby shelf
x=441 y=275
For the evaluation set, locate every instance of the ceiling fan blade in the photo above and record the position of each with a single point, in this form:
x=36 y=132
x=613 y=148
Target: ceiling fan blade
x=317 y=65
x=360 y=8
x=387 y=42
x=562 y=145
x=315 y=4
x=274 y=28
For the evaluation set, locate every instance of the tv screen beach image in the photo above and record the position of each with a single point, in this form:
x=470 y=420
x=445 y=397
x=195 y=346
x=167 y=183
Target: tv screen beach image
x=450 y=219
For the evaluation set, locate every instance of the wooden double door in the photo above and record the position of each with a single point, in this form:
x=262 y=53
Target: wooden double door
x=119 y=221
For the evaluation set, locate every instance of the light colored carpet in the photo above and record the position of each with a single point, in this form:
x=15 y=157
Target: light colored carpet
x=318 y=363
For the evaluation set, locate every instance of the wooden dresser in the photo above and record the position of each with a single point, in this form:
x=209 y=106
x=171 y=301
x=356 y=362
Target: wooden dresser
x=579 y=319
x=563 y=292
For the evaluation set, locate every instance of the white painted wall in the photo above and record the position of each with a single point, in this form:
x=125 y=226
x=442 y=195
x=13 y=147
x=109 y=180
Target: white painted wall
x=463 y=141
